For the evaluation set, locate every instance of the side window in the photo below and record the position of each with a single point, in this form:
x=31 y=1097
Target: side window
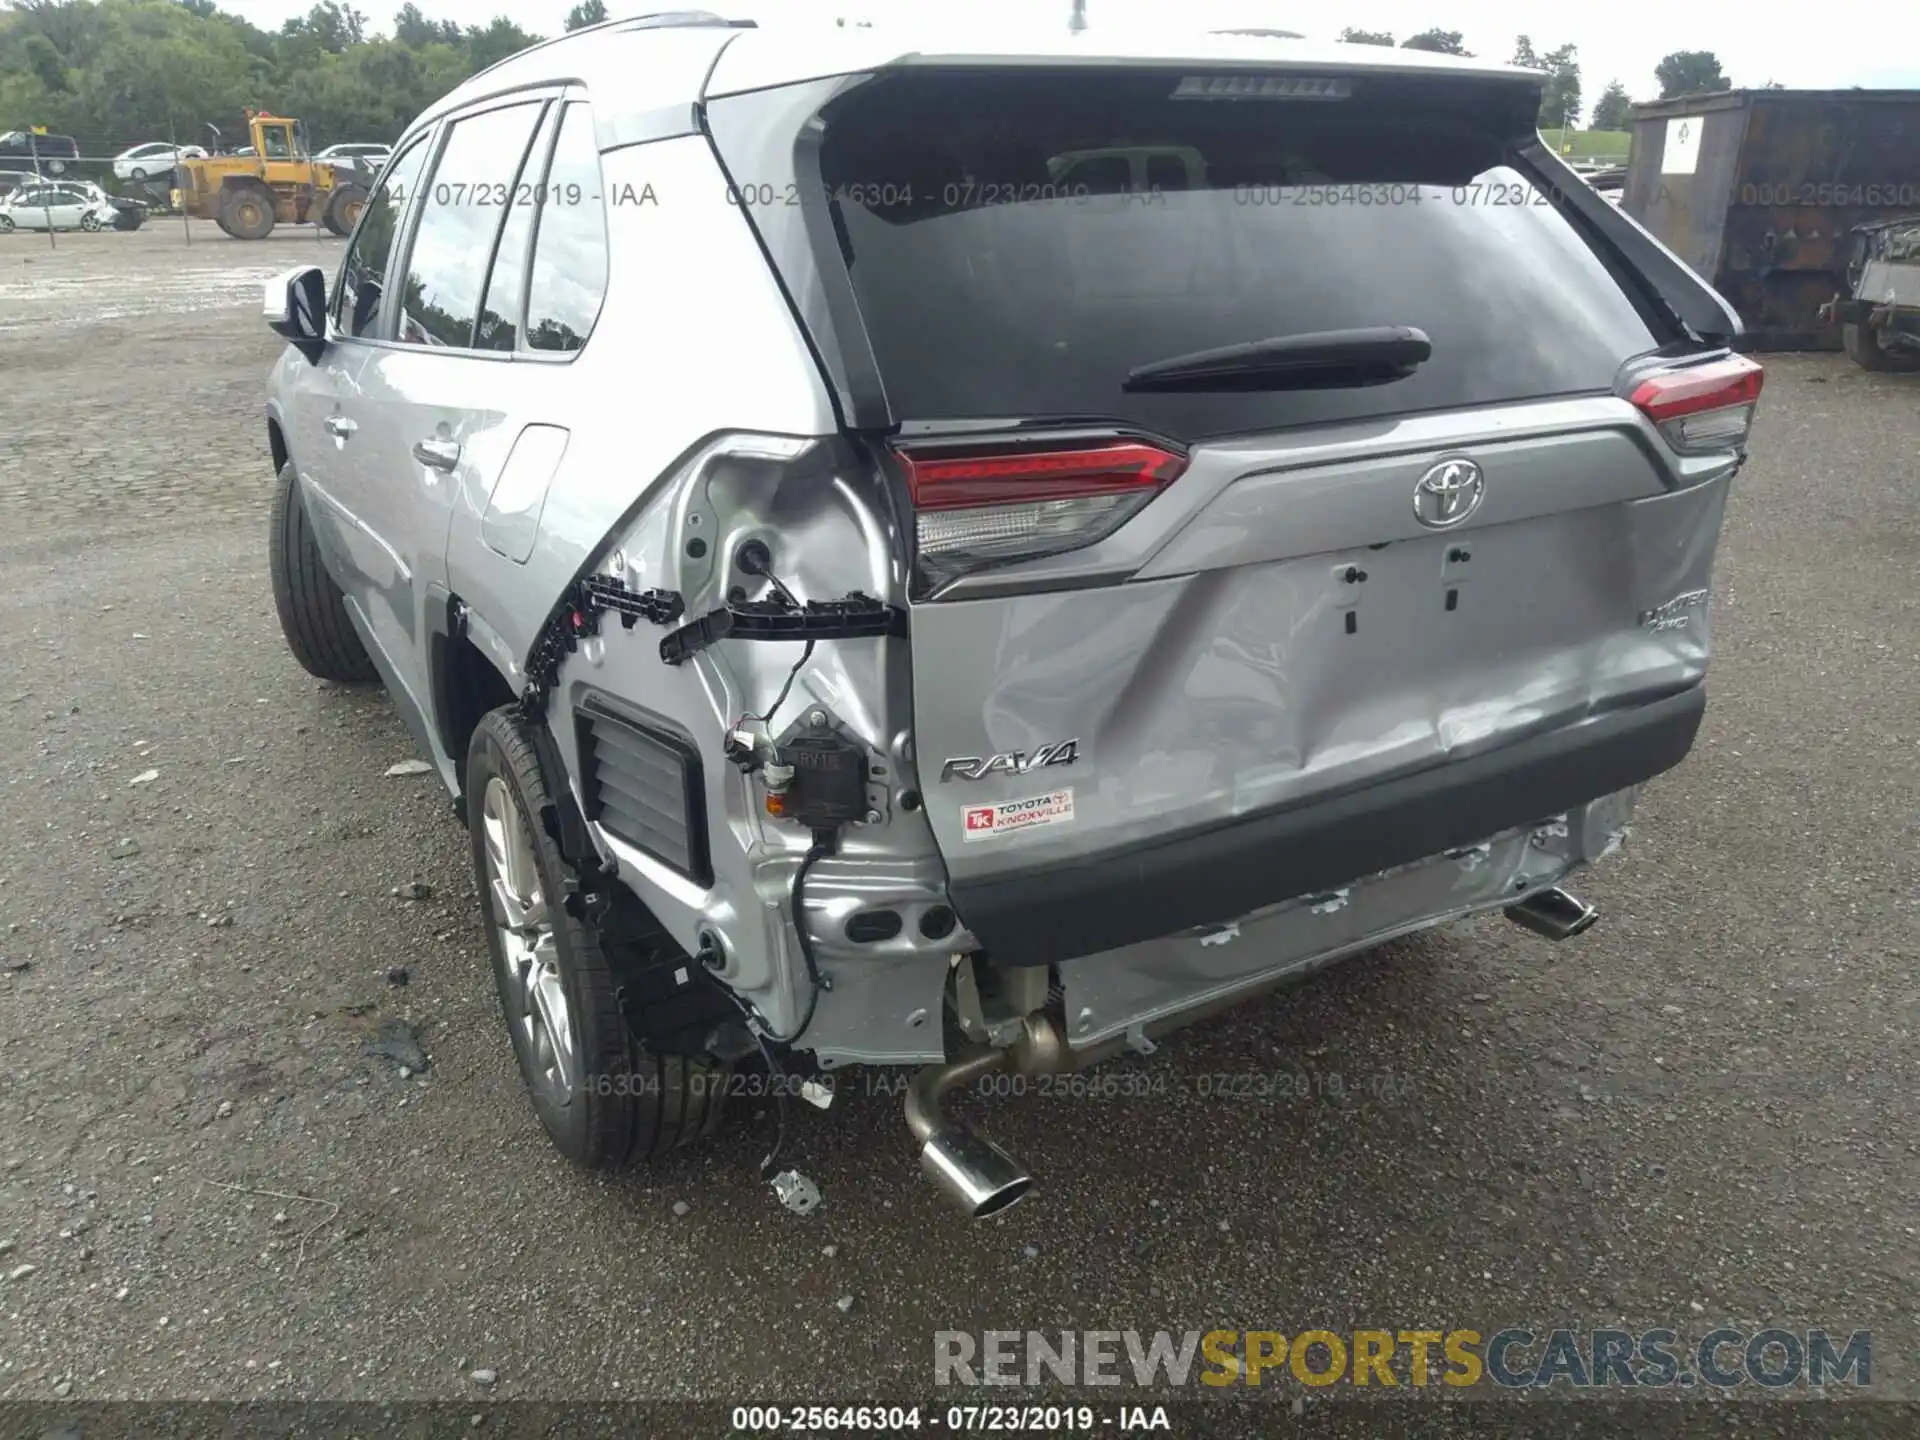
x=570 y=242
x=499 y=327
x=1166 y=172
x=358 y=297
x=461 y=212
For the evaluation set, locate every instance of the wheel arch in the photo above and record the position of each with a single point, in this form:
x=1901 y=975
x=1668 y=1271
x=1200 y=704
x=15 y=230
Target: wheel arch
x=469 y=675
x=277 y=443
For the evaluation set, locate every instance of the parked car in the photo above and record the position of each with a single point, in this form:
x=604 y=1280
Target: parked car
x=155 y=160
x=358 y=156
x=53 y=154
x=1610 y=181
x=64 y=206
x=69 y=205
x=908 y=605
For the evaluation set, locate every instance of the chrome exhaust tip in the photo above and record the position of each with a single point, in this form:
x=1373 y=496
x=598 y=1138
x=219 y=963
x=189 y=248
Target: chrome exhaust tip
x=976 y=1174
x=1553 y=913
x=980 y=1177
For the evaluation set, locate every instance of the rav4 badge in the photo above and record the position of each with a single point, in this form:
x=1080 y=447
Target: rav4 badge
x=1010 y=762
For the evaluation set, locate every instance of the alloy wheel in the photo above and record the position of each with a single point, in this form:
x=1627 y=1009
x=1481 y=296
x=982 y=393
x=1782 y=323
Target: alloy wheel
x=529 y=953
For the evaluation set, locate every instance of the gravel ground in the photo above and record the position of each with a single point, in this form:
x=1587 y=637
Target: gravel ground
x=1691 y=1117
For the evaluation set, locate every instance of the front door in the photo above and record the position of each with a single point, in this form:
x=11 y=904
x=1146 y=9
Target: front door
x=325 y=415
x=51 y=207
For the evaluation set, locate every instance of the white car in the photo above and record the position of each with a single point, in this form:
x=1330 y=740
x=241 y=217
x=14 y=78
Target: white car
x=361 y=156
x=154 y=160
x=61 y=205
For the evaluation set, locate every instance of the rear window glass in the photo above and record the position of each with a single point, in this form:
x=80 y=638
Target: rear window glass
x=1018 y=243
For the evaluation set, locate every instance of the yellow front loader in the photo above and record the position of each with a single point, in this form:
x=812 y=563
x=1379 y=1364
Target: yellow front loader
x=247 y=195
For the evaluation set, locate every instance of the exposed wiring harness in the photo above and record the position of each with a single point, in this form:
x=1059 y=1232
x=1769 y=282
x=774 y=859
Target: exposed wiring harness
x=764 y=1038
x=774 y=1069
x=792 y=675
x=755 y=559
x=823 y=846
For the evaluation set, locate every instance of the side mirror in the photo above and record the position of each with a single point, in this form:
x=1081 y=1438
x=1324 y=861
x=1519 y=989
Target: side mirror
x=296 y=309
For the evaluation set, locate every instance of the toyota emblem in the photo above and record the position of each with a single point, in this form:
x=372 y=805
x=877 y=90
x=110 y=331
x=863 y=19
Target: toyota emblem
x=1448 y=494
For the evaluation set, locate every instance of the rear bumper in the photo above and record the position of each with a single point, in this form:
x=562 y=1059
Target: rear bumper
x=1054 y=913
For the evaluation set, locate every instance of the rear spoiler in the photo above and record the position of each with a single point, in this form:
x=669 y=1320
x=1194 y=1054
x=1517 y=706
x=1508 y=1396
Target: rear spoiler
x=1698 y=305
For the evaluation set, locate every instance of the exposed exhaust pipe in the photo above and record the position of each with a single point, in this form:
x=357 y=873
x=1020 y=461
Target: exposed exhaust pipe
x=1553 y=913
x=979 y=1176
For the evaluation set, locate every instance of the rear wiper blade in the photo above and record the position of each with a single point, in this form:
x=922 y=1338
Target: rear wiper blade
x=1321 y=360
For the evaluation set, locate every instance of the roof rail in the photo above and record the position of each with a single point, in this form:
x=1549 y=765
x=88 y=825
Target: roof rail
x=660 y=20
x=669 y=19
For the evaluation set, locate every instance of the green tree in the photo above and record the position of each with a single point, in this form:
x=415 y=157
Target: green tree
x=490 y=44
x=331 y=25
x=1560 y=97
x=1366 y=37
x=1523 y=55
x=1690 y=72
x=1614 y=109
x=48 y=65
x=587 y=12
x=72 y=25
x=1441 y=42
x=410 y=27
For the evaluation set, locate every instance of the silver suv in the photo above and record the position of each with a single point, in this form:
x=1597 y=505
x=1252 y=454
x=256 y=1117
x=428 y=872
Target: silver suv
x=971 y=553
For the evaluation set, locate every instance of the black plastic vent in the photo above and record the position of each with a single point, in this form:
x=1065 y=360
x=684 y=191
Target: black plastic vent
x=642 y=784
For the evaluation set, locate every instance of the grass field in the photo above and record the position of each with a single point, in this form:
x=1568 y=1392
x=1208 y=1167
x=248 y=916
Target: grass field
x=1592 y=144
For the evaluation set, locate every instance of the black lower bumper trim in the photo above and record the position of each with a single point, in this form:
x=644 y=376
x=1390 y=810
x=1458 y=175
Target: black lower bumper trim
x=1053 y=913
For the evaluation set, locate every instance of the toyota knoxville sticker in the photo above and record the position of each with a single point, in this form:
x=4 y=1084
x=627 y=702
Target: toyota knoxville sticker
x=984 y=822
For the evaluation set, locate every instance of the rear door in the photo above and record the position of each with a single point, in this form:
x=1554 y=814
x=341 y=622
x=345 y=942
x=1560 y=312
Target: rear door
x=438 y=398
x=1142 y=614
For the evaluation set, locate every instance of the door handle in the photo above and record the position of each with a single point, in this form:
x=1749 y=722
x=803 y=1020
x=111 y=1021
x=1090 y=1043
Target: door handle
x=339 y=426
x=437 y=454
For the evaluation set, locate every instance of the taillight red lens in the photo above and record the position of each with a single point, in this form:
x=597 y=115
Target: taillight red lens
x=1703 y=407
x=1001 y=505
x=950 y=482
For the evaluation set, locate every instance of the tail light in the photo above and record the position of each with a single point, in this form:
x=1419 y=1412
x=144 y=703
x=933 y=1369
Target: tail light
x=985 y=507
x=1703 y=407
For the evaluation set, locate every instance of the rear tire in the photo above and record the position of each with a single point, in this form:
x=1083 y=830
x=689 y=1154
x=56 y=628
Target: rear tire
x=313 y=614
x=246 y=213
x=1863 y=347
x=604 y=1098
x=344 y=204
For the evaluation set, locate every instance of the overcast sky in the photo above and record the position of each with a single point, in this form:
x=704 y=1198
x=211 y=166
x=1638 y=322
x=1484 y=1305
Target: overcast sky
x=1828 y=45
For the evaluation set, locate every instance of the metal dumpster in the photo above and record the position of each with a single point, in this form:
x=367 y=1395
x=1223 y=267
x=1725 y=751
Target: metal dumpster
x=1759 y=190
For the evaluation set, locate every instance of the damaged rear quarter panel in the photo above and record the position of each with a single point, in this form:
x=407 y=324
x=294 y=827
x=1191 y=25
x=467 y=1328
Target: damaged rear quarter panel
x=665 y=371
x=696 y=353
